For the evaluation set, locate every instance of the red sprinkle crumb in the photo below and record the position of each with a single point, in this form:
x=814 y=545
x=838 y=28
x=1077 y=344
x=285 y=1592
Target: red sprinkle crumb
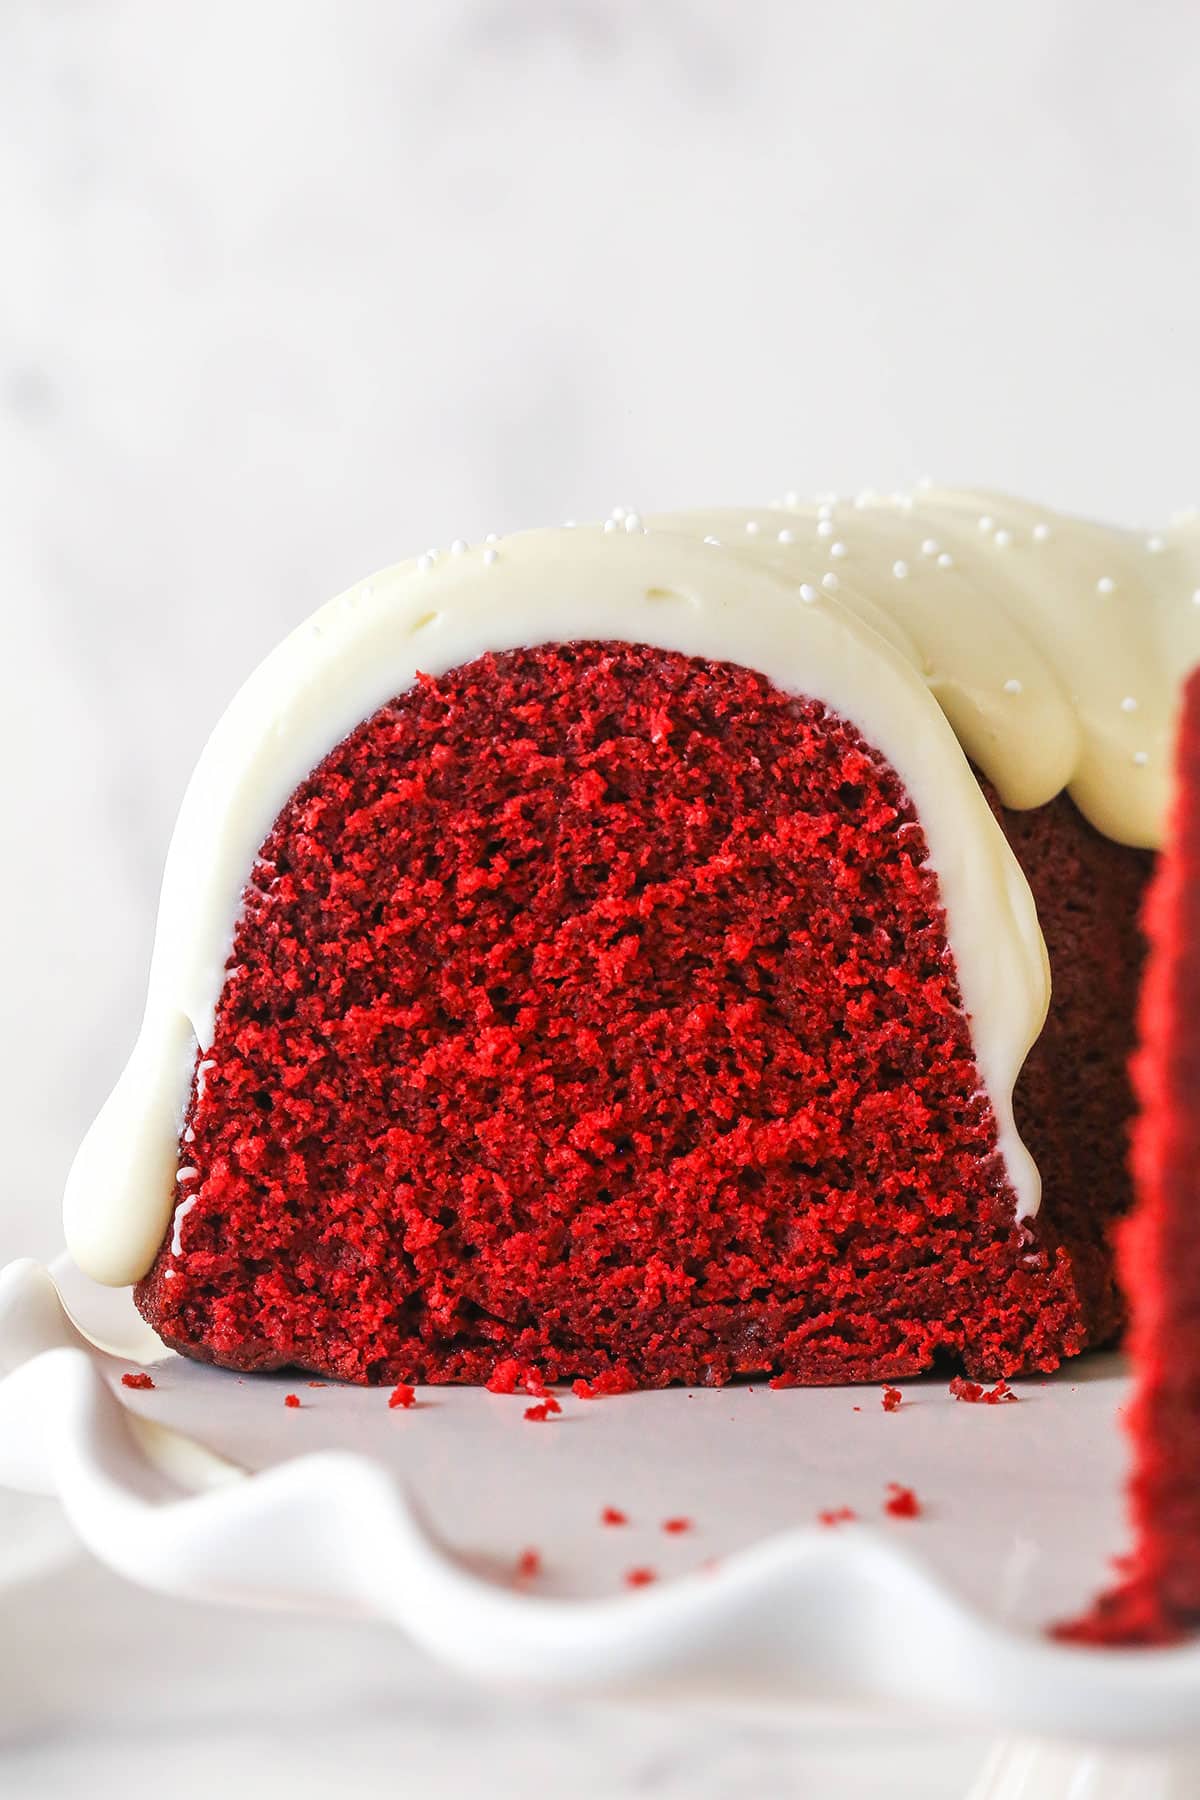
x=141 y=1382
x=892 y=1399
x=612 y=1515
x=639 y=1577
x=901 y=1502
x=291 y=1399
x=837 y=1515
x=856 y=1409
x=542 y=1411
x=318 y=1384
x=402 y=1395
x=675 y=1526
x=975 y=1393
x=613 y=1381
x=529 y=1564
x=509 y=1374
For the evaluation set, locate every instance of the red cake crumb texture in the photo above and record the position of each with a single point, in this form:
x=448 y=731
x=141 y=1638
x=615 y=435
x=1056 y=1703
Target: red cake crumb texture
x=639 y=1577
x=543 y=1410
x=141 y=1382
x=676 y=1526
x=608 y=1382
x=975 y=1394
x=591 y=1009
x=612 y=1515
x=837 y=1515
x=901 y=1502
x=892 y=1399
x=529 y=1564
x=291 y=1399
x=402 y=1395
x=1158 y=1597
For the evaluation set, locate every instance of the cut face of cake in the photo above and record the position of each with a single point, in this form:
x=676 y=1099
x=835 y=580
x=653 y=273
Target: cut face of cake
x=628 y=952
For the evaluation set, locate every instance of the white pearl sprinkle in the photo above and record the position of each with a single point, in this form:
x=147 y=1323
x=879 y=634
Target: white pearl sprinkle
x=752 y=527
x=610 y=524
x=825 y=527
x=632 y=522
x=825 y=510
x=1155 y=544
x=838 y=549
x=490 y=554
x=1002 y=540
x=1140 y=759
x=458 y=546
x=1012 y=686
x=1041 y=532
x=930 y=547
x=424 y=563
x=716 y=542
x=808 y=594
x=1106 y=585
x=1129 y=704
x=899 y=570
x=791 y=498
x=987 y=523
x=830 y=583
x=186 y=1174
x=432 y=555
x=786 y=537
x=618 y=513
x=945 y=560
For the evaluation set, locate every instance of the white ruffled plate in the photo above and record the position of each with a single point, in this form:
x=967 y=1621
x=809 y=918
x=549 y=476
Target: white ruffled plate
x=210 y=1486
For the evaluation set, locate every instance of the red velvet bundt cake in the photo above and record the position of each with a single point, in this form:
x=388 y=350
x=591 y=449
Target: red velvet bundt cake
x=1160 y=1249
x=624 y=952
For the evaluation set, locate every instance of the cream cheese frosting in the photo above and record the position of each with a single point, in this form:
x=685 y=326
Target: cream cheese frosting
x=909 y=618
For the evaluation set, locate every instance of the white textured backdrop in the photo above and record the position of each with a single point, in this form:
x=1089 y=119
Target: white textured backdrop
x=291 y=289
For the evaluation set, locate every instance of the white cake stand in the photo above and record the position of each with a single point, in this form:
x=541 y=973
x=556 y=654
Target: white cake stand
x=210 y=1486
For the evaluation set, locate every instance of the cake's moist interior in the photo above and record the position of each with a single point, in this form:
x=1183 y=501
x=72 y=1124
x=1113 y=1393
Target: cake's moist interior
x=591 y=1005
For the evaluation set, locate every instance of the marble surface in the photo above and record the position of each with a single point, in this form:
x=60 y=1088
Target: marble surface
x=292 y=288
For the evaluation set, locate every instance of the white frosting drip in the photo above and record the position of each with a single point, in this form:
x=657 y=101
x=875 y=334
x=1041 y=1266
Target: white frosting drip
x=851 y=615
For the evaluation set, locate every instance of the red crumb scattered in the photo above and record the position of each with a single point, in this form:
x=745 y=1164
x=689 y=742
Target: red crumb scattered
x=318 y=1384
x=617 y=1380
x=856 y=1409
x=639 y=1577
x=291 y=1399
x=837 y=1515
x=892 y=1399
x=675 y=1526
x=975 y=1394
x=529 y=1564
x=542 y=1411
x=901 y=1502
x=612 y=1515
x=402 y=1395
x=512 y=1376
x=141 y=1382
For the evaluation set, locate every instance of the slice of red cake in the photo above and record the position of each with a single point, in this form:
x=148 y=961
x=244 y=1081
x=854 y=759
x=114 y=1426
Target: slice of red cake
x=597 y=952
x=1160 y=1248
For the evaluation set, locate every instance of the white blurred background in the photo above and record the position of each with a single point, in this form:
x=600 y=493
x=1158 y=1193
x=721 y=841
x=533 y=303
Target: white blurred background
x=292 y=288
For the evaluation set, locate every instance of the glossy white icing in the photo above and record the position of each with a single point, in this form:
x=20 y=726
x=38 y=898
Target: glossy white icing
x=900 y=616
